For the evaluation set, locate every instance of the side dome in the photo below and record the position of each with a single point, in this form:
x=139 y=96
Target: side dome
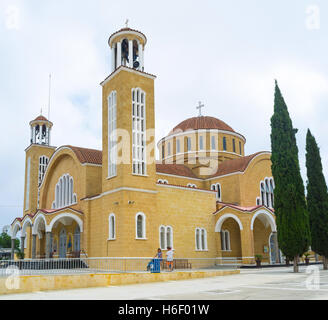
x=202 y=122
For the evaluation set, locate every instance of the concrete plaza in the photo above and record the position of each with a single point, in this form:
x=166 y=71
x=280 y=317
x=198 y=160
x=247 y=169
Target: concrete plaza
x=251 y=284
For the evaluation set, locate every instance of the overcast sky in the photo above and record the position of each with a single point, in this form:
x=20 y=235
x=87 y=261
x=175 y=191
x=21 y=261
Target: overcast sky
x=223 y=53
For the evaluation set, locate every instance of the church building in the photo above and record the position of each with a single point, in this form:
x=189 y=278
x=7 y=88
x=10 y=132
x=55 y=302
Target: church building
x=203 y=197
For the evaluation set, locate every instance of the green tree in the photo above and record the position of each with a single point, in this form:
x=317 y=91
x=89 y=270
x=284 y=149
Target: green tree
x=5 y=241
x=290 y=205
x=317 y=199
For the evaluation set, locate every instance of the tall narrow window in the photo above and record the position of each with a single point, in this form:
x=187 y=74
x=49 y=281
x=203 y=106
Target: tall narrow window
x=64 y=195
x=162 y=243
x=169 y=148
x=178 y=145
x=213 y=146
x=112 y=147
x=140 y=226
x=233 y=145
x=165 y=237
x=240 y=152
x=27 y=192
x=138 y=131
x=225 y=240
x=188 y=144
x=201 y=143
x=169 y=237
x=163 y=151
x=217 y=187
x=271 y=192
x=43 y=162
x=201 y=239
x=224 y=143
x=111 y=228
x=263 y=197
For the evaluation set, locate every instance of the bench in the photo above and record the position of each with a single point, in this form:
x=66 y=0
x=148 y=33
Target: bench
x=177 y=264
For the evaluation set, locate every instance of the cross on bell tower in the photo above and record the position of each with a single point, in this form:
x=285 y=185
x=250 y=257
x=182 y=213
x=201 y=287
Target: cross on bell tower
x=199 y=107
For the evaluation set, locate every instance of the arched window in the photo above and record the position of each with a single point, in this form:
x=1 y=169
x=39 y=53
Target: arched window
x=169 y=237
x=112 y=227
x=197 y=235
x=162 y=243
x=139 y=131
x=64 y=195
x=165 y=237
x=224 y=143
x=217 y=187
x=213 y=145
x=140 y=226
x=112 y=143
x=271 y=192
x=188 y=144
x=201 y=143
x=191 y=185
x=201 y=239
x=178 y=145
x=225 y=240
x=43 y=163
x=267 y=192
x=263 y=197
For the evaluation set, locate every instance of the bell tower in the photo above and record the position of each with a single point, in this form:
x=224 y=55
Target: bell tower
x=38 y=154
x=128 y=115
x=127 y=49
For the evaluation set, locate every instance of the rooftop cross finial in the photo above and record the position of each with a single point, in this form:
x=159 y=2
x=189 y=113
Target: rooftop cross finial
x=127 y=23
x=199 y=107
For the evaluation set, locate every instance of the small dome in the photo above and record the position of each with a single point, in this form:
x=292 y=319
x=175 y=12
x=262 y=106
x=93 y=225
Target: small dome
x=40 y=118
x=201 y=122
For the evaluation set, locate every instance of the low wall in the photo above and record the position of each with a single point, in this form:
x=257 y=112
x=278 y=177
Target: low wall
x=22 y=284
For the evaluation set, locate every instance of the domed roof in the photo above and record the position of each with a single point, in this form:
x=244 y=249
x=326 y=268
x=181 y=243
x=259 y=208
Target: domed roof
x=40 y=118
x=201 y=122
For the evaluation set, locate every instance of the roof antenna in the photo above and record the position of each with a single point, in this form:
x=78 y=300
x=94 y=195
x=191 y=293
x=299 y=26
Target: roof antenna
x=49 y=96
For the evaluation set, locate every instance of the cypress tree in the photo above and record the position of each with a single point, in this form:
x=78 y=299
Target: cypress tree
x=317 y=199
x=290 y=205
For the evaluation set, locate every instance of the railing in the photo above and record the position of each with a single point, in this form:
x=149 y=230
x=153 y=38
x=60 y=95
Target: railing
x=109 y=265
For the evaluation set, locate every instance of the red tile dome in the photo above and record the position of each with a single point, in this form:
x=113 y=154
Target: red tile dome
x=201 y=122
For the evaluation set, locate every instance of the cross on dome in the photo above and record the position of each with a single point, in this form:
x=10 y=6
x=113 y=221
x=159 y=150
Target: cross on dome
x=199 y=107
x=127 y=23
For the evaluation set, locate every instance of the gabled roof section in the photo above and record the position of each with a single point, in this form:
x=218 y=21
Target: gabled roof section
x=86 y=155
x=235 y=165
x=175 y=169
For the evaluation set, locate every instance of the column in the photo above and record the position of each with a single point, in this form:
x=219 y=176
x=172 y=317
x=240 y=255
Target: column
x=119 y=54
x=22 y=244
x=47 y=135
x=140 y=51
x=12 y=248
x=247 y=243
x=275 y=237
x=113 y=58
x=48 y=244
x=141 y=57
x=33 y=134
x=130 y=53
x=33 y=246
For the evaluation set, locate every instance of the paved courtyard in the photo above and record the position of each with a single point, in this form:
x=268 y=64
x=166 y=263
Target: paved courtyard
x=251 y=284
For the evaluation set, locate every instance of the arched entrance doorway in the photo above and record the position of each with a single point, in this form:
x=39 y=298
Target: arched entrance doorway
x=229 y=229
x=265 y=237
